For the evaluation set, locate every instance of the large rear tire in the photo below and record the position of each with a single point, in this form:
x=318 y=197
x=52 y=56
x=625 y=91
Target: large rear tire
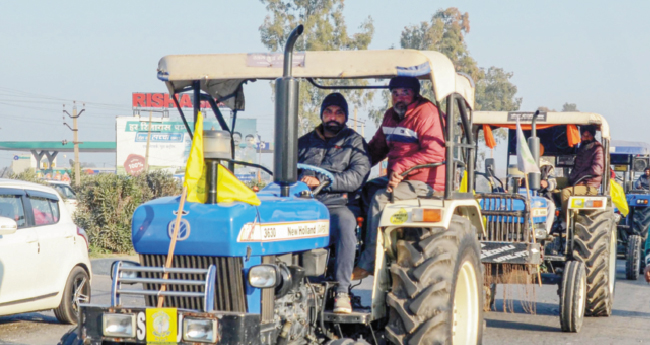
x=436 y=296
x=594 y=244
x=572 y=297
x=633 y=257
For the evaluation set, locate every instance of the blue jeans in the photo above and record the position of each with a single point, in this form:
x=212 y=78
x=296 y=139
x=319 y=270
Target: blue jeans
x=343 y=223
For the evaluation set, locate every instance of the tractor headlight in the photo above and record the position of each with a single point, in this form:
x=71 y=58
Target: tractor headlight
x=119 y=325
x=200 y=330
x=264 y=276
x=642 y=202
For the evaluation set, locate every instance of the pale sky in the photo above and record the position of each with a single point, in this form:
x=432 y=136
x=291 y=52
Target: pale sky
x=592 y=53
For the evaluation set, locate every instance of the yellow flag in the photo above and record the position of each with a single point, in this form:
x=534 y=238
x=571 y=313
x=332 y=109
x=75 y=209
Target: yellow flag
x=618 y=198
x=194 y=170
x=230 y=189
x=463 y=184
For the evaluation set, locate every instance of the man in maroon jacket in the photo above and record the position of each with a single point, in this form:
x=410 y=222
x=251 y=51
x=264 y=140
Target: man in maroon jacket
x=410 y=135
x=587 y=172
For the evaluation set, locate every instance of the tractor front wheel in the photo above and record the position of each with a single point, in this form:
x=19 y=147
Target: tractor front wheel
x=633 y=257
x=436 y=296
x=572 y=297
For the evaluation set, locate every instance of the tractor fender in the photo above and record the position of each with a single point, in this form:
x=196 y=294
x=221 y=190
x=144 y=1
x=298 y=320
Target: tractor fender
x=400 y=213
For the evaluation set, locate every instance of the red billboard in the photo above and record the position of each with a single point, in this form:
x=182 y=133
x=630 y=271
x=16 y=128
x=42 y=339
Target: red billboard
x=163 y=100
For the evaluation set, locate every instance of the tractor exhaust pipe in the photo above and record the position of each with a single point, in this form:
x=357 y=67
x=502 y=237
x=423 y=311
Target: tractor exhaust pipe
x=534 y=179
x=285 y=157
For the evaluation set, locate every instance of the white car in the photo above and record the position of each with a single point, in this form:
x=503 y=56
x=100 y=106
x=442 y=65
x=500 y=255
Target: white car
x=66 y=191
x=43 y=255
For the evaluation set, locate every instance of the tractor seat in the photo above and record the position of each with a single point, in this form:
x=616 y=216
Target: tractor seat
x=562 y=182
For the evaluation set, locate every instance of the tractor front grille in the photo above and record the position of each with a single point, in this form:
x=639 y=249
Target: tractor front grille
x=502 y=222
x=230 y=292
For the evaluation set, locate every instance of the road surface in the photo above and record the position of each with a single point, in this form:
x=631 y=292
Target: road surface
x=629 y=324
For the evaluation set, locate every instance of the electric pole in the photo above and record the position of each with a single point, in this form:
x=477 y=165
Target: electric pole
x=75 y=133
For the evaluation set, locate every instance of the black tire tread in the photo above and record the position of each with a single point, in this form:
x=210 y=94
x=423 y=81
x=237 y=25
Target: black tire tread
x=422 y=284
x=633 y=257
x=591 y=247
x=570 y=316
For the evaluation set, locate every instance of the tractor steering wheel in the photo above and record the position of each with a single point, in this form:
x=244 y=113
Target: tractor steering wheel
x=328 y=175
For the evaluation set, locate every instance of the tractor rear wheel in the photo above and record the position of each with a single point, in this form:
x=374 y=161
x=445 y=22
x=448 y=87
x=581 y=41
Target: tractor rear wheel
x=594 y=244
x=633 y=257
x=572 y=296
x=436 y=296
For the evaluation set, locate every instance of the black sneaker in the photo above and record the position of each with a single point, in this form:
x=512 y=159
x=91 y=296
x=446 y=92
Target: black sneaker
x=342 y=303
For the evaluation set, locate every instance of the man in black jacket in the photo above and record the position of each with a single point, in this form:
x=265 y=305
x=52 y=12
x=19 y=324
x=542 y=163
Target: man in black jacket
x=340 y=150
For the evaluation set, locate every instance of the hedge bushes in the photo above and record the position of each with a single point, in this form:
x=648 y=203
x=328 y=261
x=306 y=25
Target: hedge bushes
x=106 y=203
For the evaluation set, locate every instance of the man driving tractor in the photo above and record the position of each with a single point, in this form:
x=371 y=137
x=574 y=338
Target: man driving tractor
x=339 y=149
x=587 y=172
x=644 y=180
x=410 y=135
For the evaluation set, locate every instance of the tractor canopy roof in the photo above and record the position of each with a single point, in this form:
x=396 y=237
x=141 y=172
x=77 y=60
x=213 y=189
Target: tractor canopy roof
x=222 y=75
x=506 y=119
x=558 y=131
x=637 y=148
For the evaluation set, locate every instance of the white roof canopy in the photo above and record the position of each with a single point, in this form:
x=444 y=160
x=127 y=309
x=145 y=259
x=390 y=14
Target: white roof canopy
x=221 y=75
x=552 y=118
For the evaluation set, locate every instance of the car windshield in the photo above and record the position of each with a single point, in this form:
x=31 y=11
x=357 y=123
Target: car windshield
x=65 y=190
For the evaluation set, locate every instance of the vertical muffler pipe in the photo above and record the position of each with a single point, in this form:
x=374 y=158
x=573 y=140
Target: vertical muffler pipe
x=534 y=179
x=285 y=157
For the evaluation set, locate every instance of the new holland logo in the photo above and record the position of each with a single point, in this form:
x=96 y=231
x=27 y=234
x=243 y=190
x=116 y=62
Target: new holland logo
x=183 y=231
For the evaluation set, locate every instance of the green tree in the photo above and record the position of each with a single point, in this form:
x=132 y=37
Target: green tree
x=570 y=107
x=325 y=30
x=495 y=91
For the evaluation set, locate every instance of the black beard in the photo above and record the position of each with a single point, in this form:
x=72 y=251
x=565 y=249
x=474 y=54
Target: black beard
x=333 y=127
x=400 y=109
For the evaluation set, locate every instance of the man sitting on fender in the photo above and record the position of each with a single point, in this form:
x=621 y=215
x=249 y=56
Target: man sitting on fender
x=336 y=148
x=588 y=167
x=410 y=135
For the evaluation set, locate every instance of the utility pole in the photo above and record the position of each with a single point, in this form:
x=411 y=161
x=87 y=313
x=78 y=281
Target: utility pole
x=146 y=155
x=75 y=132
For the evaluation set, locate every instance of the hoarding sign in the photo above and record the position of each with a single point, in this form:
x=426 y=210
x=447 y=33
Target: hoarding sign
x=164 y=100
x=169 y=144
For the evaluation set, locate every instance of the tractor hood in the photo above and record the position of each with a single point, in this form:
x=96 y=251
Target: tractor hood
x=538 y=206
x=278 y=226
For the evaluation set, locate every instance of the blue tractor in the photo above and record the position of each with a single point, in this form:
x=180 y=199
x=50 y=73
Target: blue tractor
x=629 y=160
x=578 y=251
x=245 y=274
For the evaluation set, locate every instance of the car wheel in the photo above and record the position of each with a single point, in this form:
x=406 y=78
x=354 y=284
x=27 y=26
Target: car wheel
x=77 y=290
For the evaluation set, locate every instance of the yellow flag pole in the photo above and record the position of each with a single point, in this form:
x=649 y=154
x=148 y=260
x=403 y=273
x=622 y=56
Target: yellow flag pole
x=539 y=275
x=172 y=246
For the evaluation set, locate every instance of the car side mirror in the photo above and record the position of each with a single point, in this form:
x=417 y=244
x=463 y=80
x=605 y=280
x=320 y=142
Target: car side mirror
x=489 y=165
x=7 y=226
